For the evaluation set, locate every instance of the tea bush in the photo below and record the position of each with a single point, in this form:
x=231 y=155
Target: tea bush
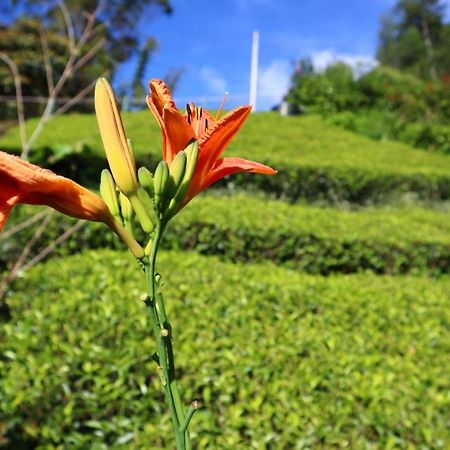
x=315 y=161
x=385 y=125
x=311 y=239
x=279 y=360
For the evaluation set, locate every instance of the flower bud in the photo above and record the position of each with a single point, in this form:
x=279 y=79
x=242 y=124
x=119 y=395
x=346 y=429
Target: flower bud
x=143 y=207
x=191 y=152
x=109 y=193
x=146 y=180
x=176 y=172
x=126 y=208
x=160 y=182
x=118 y=151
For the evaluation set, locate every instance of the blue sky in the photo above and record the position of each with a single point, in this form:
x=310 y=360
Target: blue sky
x=211 y=41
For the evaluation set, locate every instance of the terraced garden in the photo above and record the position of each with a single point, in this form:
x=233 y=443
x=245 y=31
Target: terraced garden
x=310 y=310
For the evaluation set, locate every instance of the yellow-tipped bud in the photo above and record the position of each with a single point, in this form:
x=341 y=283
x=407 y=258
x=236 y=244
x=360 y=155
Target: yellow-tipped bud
x=118 y=151
x=146 y=201
x=160 y=182
x=176 y=172
x=109 y=193
x=191 y=152
x=146 y=180
x=142 y=213
x=126 y=208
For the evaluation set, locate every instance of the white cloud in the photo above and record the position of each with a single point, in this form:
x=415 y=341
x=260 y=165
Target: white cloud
x=215 y=82
x=273 y=83
x=359 y=63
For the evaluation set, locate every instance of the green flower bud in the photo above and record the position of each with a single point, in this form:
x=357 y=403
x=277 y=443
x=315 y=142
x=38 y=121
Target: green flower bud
x=176 y=172
x=191 y=152
x=146 y=180
x=126 y=208
x=161 y=179
x=109 y=193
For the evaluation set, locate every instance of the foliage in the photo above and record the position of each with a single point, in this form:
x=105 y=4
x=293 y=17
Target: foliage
x=118 y=19
x=387 y=89
x=413 y=37
x=324 y=362
x=315 y=161
x=384 y=125
x=405 y=107
x=21 y=40
x=310 y=239
x=331 y=91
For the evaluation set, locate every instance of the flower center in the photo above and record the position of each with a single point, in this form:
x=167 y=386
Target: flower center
x=196 y=120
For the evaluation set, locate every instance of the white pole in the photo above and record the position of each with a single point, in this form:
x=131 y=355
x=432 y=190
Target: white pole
x=254 y=69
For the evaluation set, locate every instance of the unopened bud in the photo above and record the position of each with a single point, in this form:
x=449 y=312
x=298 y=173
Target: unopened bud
x=126 y=208
x=118 y=151
x=160 y=182
x=141 y=213
x=109 y=193
x=177 y=170
x=191 y=152
x=146 y=180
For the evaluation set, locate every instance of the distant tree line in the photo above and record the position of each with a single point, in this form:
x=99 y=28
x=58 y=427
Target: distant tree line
x=406 y=97
x=42 y=27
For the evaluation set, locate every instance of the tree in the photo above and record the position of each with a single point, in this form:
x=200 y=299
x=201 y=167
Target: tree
x=414 y=37
x=331 y=91
x=113 y=39
x=118 y=19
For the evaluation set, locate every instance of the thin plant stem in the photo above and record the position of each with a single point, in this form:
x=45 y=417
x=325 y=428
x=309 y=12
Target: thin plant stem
x=162 y=332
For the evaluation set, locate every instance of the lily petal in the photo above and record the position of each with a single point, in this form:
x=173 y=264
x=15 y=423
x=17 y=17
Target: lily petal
x=22 y=182
x=160 y=97
x=7 y=201
x=224 y=167
x=178 y=133
x=213 y=142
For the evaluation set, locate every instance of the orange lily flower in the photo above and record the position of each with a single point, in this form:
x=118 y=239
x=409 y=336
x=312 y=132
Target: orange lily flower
x=22 y=182
x=212 y=135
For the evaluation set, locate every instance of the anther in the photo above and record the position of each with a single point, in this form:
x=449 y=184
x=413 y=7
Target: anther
x=189 y=112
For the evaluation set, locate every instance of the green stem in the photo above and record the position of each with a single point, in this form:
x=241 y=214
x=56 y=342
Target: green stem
x=163 y=336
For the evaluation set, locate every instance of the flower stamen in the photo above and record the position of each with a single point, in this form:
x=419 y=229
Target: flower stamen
x=189 y=113
x=198 y=116
x=222 y=104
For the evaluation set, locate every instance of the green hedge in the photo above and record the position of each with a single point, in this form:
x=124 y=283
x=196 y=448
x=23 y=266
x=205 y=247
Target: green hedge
x=311 y=239
x=278 y=360
x=315 y=160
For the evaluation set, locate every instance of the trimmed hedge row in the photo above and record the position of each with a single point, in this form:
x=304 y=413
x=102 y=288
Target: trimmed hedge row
x=311 y=239
x=278 y=360
x=315 y=161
